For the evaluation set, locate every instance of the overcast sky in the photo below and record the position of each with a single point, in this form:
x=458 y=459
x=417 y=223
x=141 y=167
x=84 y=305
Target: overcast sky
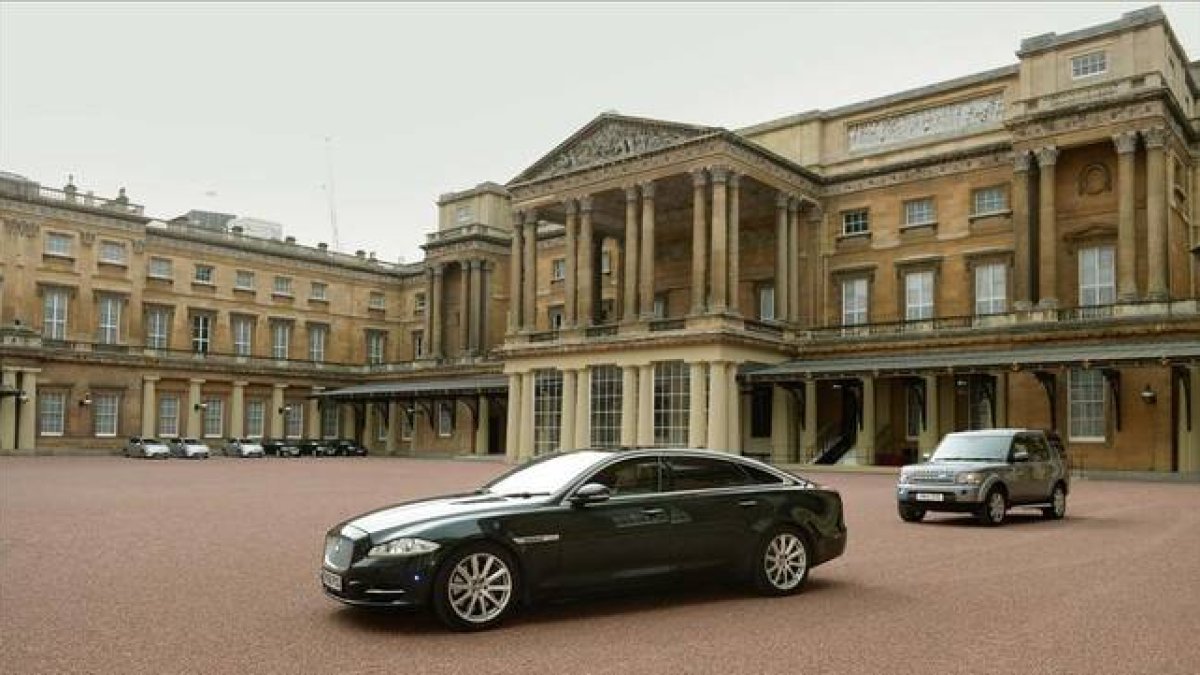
x=226 y=107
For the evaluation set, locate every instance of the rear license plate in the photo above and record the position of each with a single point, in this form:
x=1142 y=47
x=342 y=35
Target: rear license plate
x=331 y=580
x=930 y=497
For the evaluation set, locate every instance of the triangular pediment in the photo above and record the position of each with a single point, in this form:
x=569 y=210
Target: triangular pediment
x=607 y=138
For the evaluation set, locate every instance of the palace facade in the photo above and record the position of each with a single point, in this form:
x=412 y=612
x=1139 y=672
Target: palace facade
x=1018 y=247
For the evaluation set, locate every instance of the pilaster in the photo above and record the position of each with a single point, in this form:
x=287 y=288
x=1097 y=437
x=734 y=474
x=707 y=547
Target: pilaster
x=699 y=241
x=808 y=439
x=647 y=273
x=566 y=435
x=237 y=409
x=1047 y=230
x=719 y=299
x=529 y=291
x=718 y=406
x=697 y=431
x=194 y=414
x=149 y=405
x=277 y=427
x=570 y=319
x=793 y=259
x=586 y=268
x=632 y=261
x=436 y=307
x=512 y=427
x=645 y=427
x=1022 y=210
x=27 y=434
x=516 y=251
x=1156 y=214
x=782 y=282
x=781 y=425
x=629 y=405
x=1126 y=144
x=583 y=408
x=733 y=303
x=8 y=411
x=527 y=448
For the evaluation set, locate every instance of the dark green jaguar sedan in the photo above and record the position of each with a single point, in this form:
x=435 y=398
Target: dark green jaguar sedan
x=575 y=522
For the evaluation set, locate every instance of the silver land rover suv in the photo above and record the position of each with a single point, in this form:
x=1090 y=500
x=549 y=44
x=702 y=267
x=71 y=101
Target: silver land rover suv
x=986 y=473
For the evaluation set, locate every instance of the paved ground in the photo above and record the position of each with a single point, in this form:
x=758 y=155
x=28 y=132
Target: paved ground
x=110 y=565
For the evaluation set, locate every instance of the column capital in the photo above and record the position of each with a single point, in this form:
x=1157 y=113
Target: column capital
x=1022 y=162
x=631 y=193
x=1126 y=142
x=317 y=389
x=200 y=380
x=699 y=177
x=647 y=189
x=782 y=199
x=793 y=204
x=240 y=383
x=1047 y=156
x=585 y=204
x=279 y=385
x=735 y=179
x=150 y=378
x=475 y=263
x=720 y=174
x=571 y=205
x=1155 y=137
x=437 y=269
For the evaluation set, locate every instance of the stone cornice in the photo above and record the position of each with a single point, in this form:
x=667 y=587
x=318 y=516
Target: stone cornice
x=987 y=157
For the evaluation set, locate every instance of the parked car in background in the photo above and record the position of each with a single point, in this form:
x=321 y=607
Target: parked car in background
x=150 y=448
x=574 y=522
x=343 y=447
x=243 y=447
x=314 y=447
x=986 y=473
x=280 y=447
x=190 y=448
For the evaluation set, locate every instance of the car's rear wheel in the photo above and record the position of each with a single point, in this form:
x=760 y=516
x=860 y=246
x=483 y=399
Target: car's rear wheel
x=781 y=564
x=911 y=514
x=476 y=587
x=994 y=507
x=1058 y=503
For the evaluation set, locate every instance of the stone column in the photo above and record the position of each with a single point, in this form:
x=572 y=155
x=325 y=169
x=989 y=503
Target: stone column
x=647 y=273
x=427 y=351
x=464 y=312
x=570 y=318
x=720 y=240
x=516 y=250
x=583 y=408
x=632 y=236
x=735 y=409
x=793 y=258
x=782 y=277
x=566 y=434
x=699 y=242
x=149 y=405
x=8 y=411
x=587 y=273
x=1001 y=402
x=629 y=405
x=1156 y=214
x=1023 y=262
x=483 y=420
x=194 y=414
x=781 y=425
x=735 y=233
x=237 y=409
x=27 y=435
x=645 y=428
x=512 y=429
x=928 y=439
x=529 y=292
x=437 y=348
x=1127 y=289
x=864 y=445
x=1047 y=231
x=474 y=341
x=1189 y=449
x=528 y=440
x=718 y=406
x=809 y=440
x=697 y=432
x=393 y=427
x=277 y=428
x=312 y=414
x=347 y=427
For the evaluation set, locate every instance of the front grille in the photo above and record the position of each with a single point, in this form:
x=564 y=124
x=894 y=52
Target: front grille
x=931 y=476
x=339 y=552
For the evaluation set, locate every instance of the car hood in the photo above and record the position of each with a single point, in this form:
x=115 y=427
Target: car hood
x=411 y=515
x=156 y=447
x=954 y=467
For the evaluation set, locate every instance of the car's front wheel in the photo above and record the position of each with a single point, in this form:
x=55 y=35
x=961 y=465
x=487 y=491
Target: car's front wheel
x=1058 y=503
x=994 y=507
x=781 y=566
x=911 y=514
x=476 y=587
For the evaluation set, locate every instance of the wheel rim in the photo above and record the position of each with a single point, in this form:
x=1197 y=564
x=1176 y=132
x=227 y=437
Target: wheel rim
x=996 y=507
x=480 y=587
x=785 y=561
x=1060 y=502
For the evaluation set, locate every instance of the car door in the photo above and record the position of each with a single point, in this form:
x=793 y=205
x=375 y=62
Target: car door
x=1023 y=486
x=713 y=506
x=1042 y=468
x=623 y=540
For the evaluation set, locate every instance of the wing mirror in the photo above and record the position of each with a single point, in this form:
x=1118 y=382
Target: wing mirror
x=926 y=455
x=1020 y=456
x=591 y=493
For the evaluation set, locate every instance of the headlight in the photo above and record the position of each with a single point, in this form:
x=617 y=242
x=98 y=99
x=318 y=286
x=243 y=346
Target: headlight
x=969 y=478
x=402 y=548
x=904 y=476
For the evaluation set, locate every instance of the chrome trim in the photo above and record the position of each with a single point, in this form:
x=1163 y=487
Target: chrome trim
x=536 y=539
x=384 y=591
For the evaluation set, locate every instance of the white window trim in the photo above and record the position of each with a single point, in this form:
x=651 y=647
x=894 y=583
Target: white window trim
x=866 y=217
x=448 y=431
x=1004 y=208
x=106 y=246
x=1103 y=412
x=244 y=276
x=62 y=414
x=59 y=236
x=930 y=220
x=1080 y=57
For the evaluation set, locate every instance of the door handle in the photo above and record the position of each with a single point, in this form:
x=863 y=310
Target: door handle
x=652 y=511
x=748 y=503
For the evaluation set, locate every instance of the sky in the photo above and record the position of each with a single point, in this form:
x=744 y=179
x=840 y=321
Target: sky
x=244 y=108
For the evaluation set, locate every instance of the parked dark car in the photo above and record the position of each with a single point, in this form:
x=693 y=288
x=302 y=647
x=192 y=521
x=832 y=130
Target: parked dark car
x=345 y=447
x=575 y=522
x=313 y=447
x=280 y=447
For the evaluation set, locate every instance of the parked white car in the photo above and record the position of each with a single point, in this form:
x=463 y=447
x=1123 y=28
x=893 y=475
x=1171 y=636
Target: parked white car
x=243 y=447
x=147 y=447
x=191 y=448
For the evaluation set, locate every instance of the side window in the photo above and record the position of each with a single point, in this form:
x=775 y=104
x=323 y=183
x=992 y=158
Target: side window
x=702 y=473
x=1038 y=450
x=760 y=477
x=630 y=477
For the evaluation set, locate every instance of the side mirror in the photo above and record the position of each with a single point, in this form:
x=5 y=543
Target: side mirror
x=591 y=493
x=1020 y=456
x=926 y=455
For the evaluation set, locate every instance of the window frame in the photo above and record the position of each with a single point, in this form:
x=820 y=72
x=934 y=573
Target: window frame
x=319 y=291
x=108 y=319
x=100 y=401
x=767 y=311
x=201 y=332
x=168 y=409
x=1074 y=390
x=204 y=273
x=445 y=419
x=159 y=261
x=978 y=193
x=317 y=346
x=930 y=218
x=106 y=246
x=846 y=310
x=989 y=285
x=242 y=347
x=244 y=280
x=153 y=316
x=861 y=226
x=926 y=307
x=62 y=237
x=46 y=413
x=56 y=307
x=1087 y=65
x=1098 y=288
x=278 y=329
x=281 y=285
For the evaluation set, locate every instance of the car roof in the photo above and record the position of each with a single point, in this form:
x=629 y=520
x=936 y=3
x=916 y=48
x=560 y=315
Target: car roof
x=995 y=432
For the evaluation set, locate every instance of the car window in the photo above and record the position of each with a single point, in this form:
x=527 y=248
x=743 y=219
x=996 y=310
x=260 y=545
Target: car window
x=760 y=476
x=630 y=477
x=702 y=473
x=1038 y=451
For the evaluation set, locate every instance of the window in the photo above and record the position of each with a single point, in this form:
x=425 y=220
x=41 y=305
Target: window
x=766 y=303
x=54 y=314
x=281 y=337
x=201 y=333
x=445 y=419
x=243 y=335
x=204 y=274
x=112 y=253
x=547 y=410
x=329 y=420
x=989 y=200
x=293 y=420
x=671 y=404
x=282 y=286
x=918 y=295
x=160 y=268
x=856 y=222
x=1086 y=65
x=407 y=423
x=1087 y=405
x=606 y=406
x=255 y=418
x=214 y=417
x=991 y=288
x=158 y=328
x=52 y=413
x=556 y=317
x=319 y=291
x=1096 y=285
x=243 y=280
x=913 y=414
x=381 y=423
x=702 y=473
x=419 y=303
x=631 y=477
x=317 y=336
x=418 y=343
x=462 y=214
x=168 y=416
x=109 y=320
x=375 y=300
x=57 y=244
x=979 y=403
x=854 y=301
x=660 y=306
x=558 y=269
x=104 y=414
x=760 y=412
x=376 y=347
x=919 y=212
x=606 y=262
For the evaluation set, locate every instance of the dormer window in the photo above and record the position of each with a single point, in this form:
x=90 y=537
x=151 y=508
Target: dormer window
x=1087 y=65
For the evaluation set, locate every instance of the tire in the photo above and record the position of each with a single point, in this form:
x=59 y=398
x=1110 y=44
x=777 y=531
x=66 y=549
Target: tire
x=781 y=562
x=911 y=514
x=992 y=510
x=482 y=566
x=1058 y=501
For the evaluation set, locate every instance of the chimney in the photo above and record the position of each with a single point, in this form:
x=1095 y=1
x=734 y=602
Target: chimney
x=323 y=246
x=237 y=229
x=289 y=240
x=360 y=253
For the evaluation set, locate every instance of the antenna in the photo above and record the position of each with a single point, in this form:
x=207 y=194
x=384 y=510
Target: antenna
x=329 y=193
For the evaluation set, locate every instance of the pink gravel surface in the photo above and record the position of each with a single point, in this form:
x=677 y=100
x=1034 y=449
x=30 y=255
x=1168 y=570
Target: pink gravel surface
x=109 y=565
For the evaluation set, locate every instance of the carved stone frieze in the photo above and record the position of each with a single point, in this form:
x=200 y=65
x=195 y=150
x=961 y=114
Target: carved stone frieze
x=977 y=113
x=87 y=238
x=21 y=228
x=612 y=140
x=1087 y=120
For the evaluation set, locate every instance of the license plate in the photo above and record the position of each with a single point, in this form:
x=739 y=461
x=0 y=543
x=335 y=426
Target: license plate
x=930 y=497
x=331 y=580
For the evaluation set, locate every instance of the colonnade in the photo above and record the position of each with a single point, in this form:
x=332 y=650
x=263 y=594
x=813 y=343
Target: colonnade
x=473 y=290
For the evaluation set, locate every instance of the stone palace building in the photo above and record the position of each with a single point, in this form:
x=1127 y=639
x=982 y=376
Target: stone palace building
x=1016 y=247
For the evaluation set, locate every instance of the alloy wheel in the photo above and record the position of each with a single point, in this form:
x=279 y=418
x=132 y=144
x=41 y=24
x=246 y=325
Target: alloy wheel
x=785 y=561
x=996 y=507
x=480 y=587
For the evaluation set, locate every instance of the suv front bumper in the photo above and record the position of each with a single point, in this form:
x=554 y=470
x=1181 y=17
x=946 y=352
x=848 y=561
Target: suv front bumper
x=940 y=497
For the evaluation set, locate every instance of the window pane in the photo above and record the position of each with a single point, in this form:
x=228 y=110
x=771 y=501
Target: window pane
x=918 y=288
x=104 y=414
x=293 y=420
x=255 y=418
x=54 y=314
x=1087 y=404
x=214 y=418
x=702 y=473
x=168 y=416
x=606 y=406
x=854 y=301
x=672 y=389
x=52 y=415
x=547 y=410
x=991 y=289
x=630 y=477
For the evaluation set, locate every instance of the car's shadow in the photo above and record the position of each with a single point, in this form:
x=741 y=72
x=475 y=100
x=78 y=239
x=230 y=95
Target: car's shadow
x=1012 y=518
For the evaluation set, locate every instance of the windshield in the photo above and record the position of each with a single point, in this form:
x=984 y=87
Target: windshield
x=978 y=448
x=546 y=476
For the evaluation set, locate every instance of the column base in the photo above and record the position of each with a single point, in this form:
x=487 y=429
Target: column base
x=1048 y=303
x=1157 y=296
x=1023 y=305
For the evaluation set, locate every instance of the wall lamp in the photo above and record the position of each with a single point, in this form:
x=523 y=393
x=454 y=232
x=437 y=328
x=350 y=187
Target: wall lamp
x=1148 y=395
x=23 y=397
x=86 y=400
x=199 y=406
x=285 y=410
